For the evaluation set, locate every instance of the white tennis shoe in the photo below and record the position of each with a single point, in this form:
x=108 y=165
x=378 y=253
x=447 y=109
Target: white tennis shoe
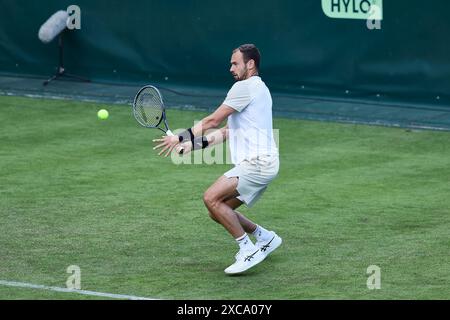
x=245 y=260
x=268 y=246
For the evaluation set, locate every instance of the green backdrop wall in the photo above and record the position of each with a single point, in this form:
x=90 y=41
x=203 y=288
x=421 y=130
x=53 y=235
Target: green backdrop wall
x=190 y=42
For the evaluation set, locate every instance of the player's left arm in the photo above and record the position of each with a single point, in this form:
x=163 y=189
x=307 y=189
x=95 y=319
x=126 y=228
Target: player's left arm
x=213 y=137
x=194 y=135
x=213 y=120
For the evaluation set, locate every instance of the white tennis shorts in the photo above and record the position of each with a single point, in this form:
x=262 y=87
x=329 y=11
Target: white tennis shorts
x=254 y=177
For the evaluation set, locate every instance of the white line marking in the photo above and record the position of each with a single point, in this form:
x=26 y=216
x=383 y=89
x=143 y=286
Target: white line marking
x=65 y=290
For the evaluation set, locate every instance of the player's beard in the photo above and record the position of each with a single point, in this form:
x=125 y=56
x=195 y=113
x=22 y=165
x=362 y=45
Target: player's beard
x=242 y=77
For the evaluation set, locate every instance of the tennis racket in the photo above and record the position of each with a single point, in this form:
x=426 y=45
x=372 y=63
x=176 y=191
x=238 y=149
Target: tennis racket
x=149 y=111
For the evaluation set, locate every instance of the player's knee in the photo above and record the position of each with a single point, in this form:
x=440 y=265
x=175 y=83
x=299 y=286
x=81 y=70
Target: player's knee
x=211 y=202
x=208 y=199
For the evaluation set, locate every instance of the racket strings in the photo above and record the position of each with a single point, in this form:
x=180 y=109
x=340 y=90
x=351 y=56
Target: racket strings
x=149 y=108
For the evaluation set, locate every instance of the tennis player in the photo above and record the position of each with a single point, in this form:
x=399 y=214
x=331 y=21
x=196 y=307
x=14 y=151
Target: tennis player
x=248 y=110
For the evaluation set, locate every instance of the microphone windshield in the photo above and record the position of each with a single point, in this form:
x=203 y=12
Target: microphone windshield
x=53 y=26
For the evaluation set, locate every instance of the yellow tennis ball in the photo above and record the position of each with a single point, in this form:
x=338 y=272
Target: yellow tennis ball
x=102 y=114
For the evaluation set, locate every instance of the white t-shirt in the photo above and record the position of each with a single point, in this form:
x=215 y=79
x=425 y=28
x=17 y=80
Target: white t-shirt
x=250 y=131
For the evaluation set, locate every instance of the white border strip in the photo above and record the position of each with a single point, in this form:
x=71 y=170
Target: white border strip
x=65 y=290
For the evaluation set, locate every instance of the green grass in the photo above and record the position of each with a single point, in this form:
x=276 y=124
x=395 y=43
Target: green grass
x=78 y=191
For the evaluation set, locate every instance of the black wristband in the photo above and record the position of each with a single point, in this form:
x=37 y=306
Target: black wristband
x=186 y=135
x=200 y=143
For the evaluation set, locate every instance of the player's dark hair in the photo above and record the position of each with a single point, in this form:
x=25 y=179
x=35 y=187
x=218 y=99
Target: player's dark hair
x=249 y=52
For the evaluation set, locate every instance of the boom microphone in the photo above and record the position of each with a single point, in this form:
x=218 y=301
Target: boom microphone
x=53 y=26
